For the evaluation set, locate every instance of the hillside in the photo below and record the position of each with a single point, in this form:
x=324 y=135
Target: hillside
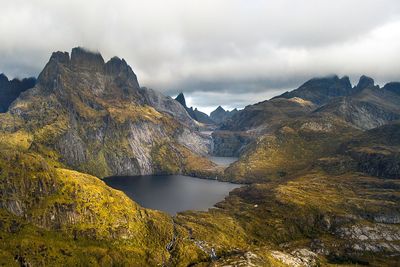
x=254 y=120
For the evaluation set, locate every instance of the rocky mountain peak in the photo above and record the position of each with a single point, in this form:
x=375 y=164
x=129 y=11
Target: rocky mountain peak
x=3 y=77
x=321 y=89
x=181 y=99
x=219 y=108
x=116 y=65
x=393 y=87
x=219 y=115
x=83 y=58
x=328 y=82
x=119 y=68
x=61 y=57
x=365 y=82
x=345 y=81
x=194 y=113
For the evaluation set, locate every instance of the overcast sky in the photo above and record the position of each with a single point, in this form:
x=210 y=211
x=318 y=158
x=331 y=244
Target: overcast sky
x=228 y=52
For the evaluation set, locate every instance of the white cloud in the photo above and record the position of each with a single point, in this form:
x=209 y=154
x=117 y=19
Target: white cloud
x=237 y=49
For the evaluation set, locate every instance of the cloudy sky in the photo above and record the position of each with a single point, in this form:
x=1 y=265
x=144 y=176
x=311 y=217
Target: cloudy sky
x=228 y=52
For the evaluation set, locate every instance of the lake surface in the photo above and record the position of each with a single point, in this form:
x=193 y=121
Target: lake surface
x=172 y=193
x=223 y=161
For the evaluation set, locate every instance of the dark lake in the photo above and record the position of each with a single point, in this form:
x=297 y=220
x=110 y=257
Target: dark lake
x=172 y=193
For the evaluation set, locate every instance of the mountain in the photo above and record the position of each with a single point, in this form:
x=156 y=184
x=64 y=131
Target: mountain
x=10 y=90
x=246 y=124
x=321 y=90
x=194 y=113
x=219 y=115
x=93 y=116
x=370 y=107
x=181 y=99
x=90 y=115
x=365 y=106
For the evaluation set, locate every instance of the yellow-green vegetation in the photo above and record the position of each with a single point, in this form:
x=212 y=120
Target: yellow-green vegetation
x=19 y=140
x=289 y=149
x=293 y=214
x=122 y=113
x=93 y=221
x=303 y=191
x=172 y=158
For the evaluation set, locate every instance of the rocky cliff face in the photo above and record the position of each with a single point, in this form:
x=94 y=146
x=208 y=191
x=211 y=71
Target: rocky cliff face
x=376 y=152
x=97 y=119
x=10 y=90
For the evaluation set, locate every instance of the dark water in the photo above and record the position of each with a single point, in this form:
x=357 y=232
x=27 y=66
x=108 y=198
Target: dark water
x=172 y=193
x=222 y=161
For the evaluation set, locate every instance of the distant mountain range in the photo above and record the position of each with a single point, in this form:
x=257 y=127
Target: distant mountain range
x=194 y=113
x=218 y=116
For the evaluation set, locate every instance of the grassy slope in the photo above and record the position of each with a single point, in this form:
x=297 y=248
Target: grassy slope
x=304 y=211
x=53 y=215
x=64 y=215
x=291 y=148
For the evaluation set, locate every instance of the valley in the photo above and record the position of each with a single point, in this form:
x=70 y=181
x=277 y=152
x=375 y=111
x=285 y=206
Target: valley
x=307 y=178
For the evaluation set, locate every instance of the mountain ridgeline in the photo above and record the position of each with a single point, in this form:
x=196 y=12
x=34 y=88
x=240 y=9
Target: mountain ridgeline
x=321 y=166
x=365 y=106
x=218 y=116
x=11 y=89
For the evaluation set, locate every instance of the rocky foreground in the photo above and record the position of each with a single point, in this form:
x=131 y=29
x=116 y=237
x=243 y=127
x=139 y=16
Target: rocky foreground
x=320 y=166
